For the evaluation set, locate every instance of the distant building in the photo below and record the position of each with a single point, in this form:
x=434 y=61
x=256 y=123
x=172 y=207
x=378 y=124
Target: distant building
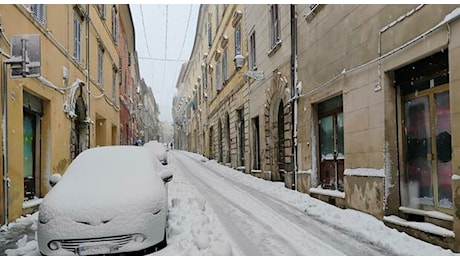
x=149 y=125
x=129 y=78
x=179 y=111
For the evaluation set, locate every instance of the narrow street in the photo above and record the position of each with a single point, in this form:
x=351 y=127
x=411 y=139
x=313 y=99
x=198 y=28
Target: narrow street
x=261 y=223
x=215 y=210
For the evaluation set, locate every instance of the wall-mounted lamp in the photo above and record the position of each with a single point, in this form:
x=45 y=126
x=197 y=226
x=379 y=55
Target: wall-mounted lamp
x=239 y=61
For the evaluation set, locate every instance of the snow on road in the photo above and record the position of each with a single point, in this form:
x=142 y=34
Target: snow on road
x=215 y=210
x=264 y=218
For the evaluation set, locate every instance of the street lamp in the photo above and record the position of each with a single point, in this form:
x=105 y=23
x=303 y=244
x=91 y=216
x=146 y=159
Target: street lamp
x=239 y=61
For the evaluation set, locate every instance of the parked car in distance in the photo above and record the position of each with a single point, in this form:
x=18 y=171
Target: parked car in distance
x=110 y=200
x=159 y=150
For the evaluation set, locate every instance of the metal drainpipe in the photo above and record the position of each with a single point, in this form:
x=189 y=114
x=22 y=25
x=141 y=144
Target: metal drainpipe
x=6 y=179
x=294 y=99
x=88 y=95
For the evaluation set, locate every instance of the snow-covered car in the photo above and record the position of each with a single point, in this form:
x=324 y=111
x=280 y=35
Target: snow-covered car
x=159 y=150
x=110 y=200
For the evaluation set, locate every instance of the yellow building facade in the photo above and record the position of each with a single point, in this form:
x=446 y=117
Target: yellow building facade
x=73 y=104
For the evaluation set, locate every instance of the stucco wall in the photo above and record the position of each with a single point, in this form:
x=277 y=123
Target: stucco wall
x=365 y=194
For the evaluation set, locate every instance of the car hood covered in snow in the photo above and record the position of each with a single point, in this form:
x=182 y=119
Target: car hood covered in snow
x=104 y=182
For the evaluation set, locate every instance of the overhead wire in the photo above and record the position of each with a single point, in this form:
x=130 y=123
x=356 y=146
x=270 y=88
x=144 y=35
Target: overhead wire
x=145 y=35
x=186 y=31
x=166 y=47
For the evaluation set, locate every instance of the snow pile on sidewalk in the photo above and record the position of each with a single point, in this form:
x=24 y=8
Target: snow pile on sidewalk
x=19 y=238
x=193 y=226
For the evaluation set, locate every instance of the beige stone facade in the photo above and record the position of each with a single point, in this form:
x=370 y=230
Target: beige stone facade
x=212 y=101
x=374 y=125
x=392 y=69
x=269 y=97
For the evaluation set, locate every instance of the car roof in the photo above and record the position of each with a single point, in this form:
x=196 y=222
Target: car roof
x=110 y=161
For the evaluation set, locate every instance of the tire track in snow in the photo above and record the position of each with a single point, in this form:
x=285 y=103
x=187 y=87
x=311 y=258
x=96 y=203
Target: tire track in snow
x=272 y=240
x=243 y=242
x=350 y=243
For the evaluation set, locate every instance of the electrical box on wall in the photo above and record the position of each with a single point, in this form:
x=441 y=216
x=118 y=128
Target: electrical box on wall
x=26 y=56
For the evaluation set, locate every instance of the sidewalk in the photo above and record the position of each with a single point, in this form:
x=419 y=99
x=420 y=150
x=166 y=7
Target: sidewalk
x=19 y=237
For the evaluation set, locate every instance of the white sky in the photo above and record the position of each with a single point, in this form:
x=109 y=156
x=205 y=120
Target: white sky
x=165 y=35
x=215 y=210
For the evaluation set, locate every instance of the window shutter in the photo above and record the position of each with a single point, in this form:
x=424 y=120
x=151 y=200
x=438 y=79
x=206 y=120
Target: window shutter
x=38 y=11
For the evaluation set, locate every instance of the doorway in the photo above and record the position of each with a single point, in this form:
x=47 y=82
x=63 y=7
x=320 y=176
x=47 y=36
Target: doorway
x=426 y=133
x=428 y=148
x=32 y=112
x=30 y=154
x=240 y=128
x=331 y=143
x=281 y=151
x=228 y=139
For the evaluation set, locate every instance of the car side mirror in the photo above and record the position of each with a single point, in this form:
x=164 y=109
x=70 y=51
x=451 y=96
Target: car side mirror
x=166 y=175
x=54 y=179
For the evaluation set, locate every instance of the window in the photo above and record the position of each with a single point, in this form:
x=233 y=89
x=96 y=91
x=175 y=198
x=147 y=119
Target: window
x=237 y=40
x=38 y=12
x=217 y=15
x=218 y=83
x=100 y=63
x=114 y=84
x=224 y=68
x=252 y=54
x=199 y=93
x=129 y=58
x=209 y=34
x=77 y=21
x=205 y=79
x=102 y=11
x=274 y=26
x=115 y=24
x=211 y=84
x=120 y=62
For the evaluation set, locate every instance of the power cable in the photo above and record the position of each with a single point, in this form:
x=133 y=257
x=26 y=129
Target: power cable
x=145 y=35
x=166 y=47
x=186 y=31
x=160 y=59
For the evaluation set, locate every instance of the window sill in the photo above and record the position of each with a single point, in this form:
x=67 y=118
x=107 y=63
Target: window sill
x=32 y=203
x=274 y=49
x=312 y=13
